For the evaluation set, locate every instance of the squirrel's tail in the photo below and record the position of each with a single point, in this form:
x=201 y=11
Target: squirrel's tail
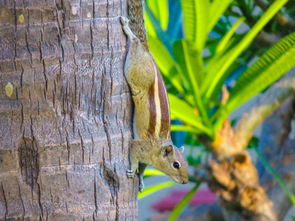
x=136 y=21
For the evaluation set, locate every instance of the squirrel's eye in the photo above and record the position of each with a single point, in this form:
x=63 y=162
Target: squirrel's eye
x=176 y=165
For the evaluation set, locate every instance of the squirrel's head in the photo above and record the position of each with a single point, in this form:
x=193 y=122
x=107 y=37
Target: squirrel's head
x=172 y=163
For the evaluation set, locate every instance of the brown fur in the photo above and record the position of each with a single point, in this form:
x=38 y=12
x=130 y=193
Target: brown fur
x=153 y=152
x=152 y=144
x=153 y=111
x=165 y=115
x=136 y=24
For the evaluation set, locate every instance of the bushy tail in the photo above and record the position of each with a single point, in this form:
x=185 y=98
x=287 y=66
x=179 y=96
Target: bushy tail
x=136 y=24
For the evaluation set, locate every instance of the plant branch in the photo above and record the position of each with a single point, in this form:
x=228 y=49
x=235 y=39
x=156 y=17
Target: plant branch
x=281 y=19
x=266 y=39
x=267 y=103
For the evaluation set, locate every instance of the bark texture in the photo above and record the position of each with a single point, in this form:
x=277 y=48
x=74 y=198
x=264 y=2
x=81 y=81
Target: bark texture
x=65 y=117
x=277 y=144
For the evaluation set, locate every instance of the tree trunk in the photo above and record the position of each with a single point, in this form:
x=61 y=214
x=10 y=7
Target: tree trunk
x=277 y=144
x=65 y=112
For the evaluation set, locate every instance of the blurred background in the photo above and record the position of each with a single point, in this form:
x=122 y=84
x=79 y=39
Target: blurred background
x=227 y=66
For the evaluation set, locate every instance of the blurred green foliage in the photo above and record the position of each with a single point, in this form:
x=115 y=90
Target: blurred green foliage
x=200 y=55
x=185 y=200
x=202 y=45
x=152 y=189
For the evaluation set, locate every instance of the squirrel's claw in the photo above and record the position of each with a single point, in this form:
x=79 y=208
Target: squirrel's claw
x=130 y=173
x=124 y=20
x=141 y=184
x=125 y=23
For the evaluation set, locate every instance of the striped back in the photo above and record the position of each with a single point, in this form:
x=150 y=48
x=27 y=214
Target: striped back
x=159 y=124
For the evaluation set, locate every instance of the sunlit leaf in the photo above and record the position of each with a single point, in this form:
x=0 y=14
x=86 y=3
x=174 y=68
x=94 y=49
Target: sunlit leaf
x=159 y=32
x=213 y=81
x=150 y=190
x=165 y=62
x=193 y=72
x=183 y=203
x=225 y=40
x=153 y=172
x=190 y=19
x=267 y=69
x=217 y=8
x=161 y=11
x=185 y=113
x=196 y=20
x=149 y=25
x=186 y=128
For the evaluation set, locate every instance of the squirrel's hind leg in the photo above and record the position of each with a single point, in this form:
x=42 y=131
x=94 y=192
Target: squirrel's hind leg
x=133 y=159
x=125 y=23
x=141 y=168
x=136 y=167
x=139 y=171
x=133 y=168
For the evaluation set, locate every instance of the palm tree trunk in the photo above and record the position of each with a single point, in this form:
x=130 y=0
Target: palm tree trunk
x=64 y=112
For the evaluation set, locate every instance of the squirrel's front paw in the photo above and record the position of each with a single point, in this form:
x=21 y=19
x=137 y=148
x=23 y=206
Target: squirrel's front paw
x=130 y=173
x=124 y=20
x=141 y=185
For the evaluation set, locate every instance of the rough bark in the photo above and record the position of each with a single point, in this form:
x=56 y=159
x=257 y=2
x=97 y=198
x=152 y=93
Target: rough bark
x=277 y=145
x=65 y=111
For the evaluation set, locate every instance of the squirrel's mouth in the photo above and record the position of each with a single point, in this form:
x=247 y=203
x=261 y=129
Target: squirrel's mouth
x=180 y=180
x=184 y=180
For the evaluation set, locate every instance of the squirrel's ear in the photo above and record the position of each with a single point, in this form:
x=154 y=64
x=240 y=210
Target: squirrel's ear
x=167 y=149
x=181 y=149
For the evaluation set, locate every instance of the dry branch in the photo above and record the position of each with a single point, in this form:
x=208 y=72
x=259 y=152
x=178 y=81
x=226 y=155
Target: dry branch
x=267 y=103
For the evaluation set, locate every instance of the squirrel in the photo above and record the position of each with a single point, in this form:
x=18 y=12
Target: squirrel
x=152 y=143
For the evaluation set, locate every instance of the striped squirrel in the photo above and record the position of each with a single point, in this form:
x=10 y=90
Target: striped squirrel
x=152 y=144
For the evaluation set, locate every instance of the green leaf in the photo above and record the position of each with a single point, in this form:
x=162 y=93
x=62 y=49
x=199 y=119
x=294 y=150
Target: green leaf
x=151 y=31
x=276 y=176
x=266 y=70
x=162 y=35
x=160 y=10
x=196 y=20
x=178 y=54
x=217 y=8
x=185 y=128
x=184 y=202
x=218 y=59
x=190 y=66
x=184 y=112
x=189 y=18
x=203 y=9
x=153 y=172
x=193 y=72
x=213 y=80
x=164 y=13
x=168 y=67
x=150 y=190
x=227 y=37
x=180 y=107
